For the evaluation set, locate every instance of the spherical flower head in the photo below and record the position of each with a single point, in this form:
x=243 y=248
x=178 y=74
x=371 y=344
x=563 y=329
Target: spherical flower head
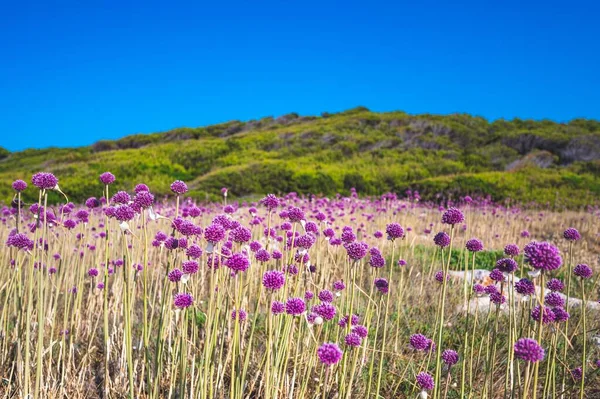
x=377 y=261
x=93 y=272
x=329 y=354
x=554 y=299
x=44 y=181
x=183 y=300
x=450 y=357
x=571 y=234
x=339 y=285
x=401 y=262
x=121 y=197
x=270 y=202
x=497 y=275
x=241 y=315
x=273 y=280
x=425 y=381
x=326 y=296
x=382 y=285
x=295 y=214
x=69 y=224
x=124 y=213
x=326 y=310
x=490 y=289
x=525 y=287
x=140 y=187
x=343 y=322
x=277 y=307
x=214 y=233
x=441 y=239
x=394 y=230
x=497 y=298
x=511 y=250
x=238 y=262
x=19 y=185
x=194 y=251
x=577 y=373
x=308 y=295
x=240 y=234
x=361 y=331
x=525 y=234
x=548 y=315
x=352 y=340
x=190 y=267
x=356 y=250
x=453 y=216
x=255 y=246
x=348 y=236
x=419 y=342
x=555 y=285
x=143 y=199
x=439 y=276
x=276 y=254
x=507 y=265
x=474 y=245
x=529 y=350
x=542 y=256
x=178 y=187
x=175 y=275
x=295 y=306
x=262 y=255
x=92 y=202
x=478 y=289
x=560 y=314
x=582 y=270
x=107 y=178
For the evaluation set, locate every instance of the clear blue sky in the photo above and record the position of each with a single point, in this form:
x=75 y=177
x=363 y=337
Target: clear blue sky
x=72 y=73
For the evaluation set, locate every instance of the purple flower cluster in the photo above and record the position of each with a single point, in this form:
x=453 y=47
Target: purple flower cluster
x=529 y=350
x=273 y=280
x=582 y=270
x=44 y=181
x=571 y=234
x=453 y=216
x=329 y=354
x=474 y=245
x=542 y=256
x=441 y=239
x=394 y=230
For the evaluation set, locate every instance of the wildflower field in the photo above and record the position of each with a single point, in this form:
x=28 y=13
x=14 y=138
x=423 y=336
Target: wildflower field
x=131 y=295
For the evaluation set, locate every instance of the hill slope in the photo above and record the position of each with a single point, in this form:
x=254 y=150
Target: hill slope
x=456 y=154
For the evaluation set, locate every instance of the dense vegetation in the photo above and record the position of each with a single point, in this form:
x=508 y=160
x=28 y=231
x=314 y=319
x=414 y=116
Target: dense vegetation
x=525 y=160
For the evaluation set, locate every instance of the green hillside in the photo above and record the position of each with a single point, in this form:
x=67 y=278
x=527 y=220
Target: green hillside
x=541 y=161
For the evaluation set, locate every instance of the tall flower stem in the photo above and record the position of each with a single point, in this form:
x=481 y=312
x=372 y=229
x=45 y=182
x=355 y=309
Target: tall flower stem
x=583 y=352
x=41 y=308
x=539 y=333
x=566 y=335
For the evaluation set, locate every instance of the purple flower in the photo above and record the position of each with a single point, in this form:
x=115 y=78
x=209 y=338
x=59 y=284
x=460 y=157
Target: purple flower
x=497 y=298
x=560 y=314
x=554 y=299
x=529 y=350
x=295 y=214
x=382 y=285
x=107 y=178
x=44 y=181
x=19 y=185
x=439 y=276
x=525 y=234
x=478 y=289
x=240 y=234
x=329 y=353
x=352 y=340
x=441 y=239
x=497 y=274
x=194 y=251
x=525 y=287
x=507 y=265
x=93 y=272
x=241 y=315
x=394 y=230
x=143 y=199
x=273 y=280
x=450 y=357
x=121 y=197
x=295 y=306
x=548 y=316
x=175 y=275
x=124 y=213
x=20 y=241
x=555 y=285
x=425 y=381
x=571 y=234
x=183 y=300
x=326 y=310
x=511 y=250
x=453 y=216
x=339 y=285
x=178 y=187
x=262 y=255
x=92 y=202
x=582 y=270
x=277 y=307
x=577 y=373
x=140 y=187
x=270 y=202
x=238 y=262
x=344 y=321
x=474 y=245
x=214 y=233
x=326 y=296
x=542 y=255
x=190 y=267
x=419 y=342
x=376 y=260
x=356 y=250
x=361 y=331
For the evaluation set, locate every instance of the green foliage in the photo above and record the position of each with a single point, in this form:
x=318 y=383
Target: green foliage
x=450 y=155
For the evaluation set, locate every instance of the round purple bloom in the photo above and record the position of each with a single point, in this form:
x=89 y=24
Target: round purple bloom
x=183 y=300
x=19 y=185
x=450 y=357
x=577 y=373
x=344 y=321
x=295 y=306
x=474 y=245
x=194 y=251
x=107 y=178
x=339 y=285
x=326 y=310
x=382 y=285
x=92 y=202
x=44 y=181
x=273 y=280
x=352 y=340
x=277 y=307
x=143 y=199
x=419 y=342
x=497 y=274
x=511 y=250
x=439 y=276
x=497 y=298
x=214 y=233
x=329 y=353
x=555 y=285
x=270 y=202
x=560 y=314
x=548 y=316
x=240 y=234
x=507 y=265
x=241 y=315
x=441 y=239
x=356 y=250
x=238 y=262
x=124 y=213
x=262 y=255
x=554 y=299
x=542 y=255
x=140 y=187
x=525 y=234
x=93 y=272
x=121 y=197
x=394 y=230
x=525 y=287
x=361 y=331
x=175 y=275
x=478 y=289
x=377 y=260
x=582 y=270
x=190 y=267
x=453 y=216
x=425 y=381
x=571 y=234
x=295 y=214
x=326 y=296
x=178 y=187
x=529 y=350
